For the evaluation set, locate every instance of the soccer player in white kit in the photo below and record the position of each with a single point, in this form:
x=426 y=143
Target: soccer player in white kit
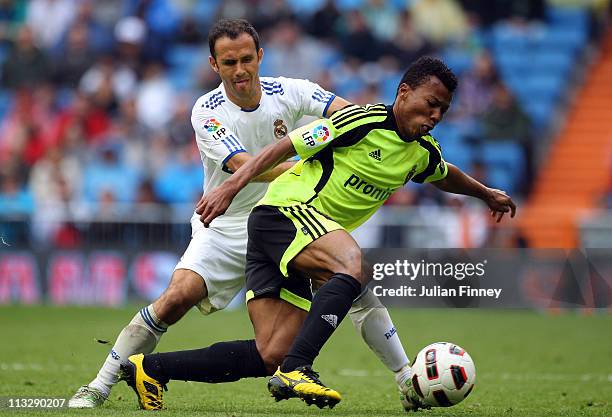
x=234 y=121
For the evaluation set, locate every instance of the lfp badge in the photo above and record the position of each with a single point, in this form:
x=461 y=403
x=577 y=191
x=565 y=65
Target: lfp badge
x=211 y=125
x=320 y=133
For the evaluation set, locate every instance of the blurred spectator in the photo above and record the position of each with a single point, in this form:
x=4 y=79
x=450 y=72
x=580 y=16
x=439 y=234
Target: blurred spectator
x=439 y=21
x=107 y=179
x=133 y=135
x=324 y=22
x=25 y=65
x=130 y=34
x=270 y=13
x=109 y=77
x=12 y=15
x=155 y=97
x=476 y=89
x=55 y=177
x=49 y=18
x=74 y=57
x=489 y=12
x=408 y=43
x=180 y=181
x=180 y=130
x=382 y=19
x=394 y=236
x=190 y=32
x=55 y=183
x=15 y=199
x=80 y=123
x=357 y=41
x=506 y=120
x=22 y=134
x=287 y=39
x=107 y=12
x=99 y=36
x=162 y=20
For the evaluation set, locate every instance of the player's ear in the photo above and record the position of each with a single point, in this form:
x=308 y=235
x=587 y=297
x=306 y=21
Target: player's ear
x=403 y=91
x=213 y=64
x=260 y=54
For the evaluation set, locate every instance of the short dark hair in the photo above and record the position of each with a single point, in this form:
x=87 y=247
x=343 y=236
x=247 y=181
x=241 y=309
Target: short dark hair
x=420 y=70
x=232 y=28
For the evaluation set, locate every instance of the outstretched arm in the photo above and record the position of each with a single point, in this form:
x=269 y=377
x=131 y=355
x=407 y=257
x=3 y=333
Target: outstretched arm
x=218 y=200
x=458 y=182
x=270 y=175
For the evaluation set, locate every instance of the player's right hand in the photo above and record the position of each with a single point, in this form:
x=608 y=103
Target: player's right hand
x=215 y=203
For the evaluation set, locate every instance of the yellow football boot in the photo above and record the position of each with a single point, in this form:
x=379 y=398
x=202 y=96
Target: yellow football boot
x=303 y=383
x=150 y=392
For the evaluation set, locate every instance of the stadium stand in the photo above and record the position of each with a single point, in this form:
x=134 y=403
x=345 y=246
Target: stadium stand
x=536 y=57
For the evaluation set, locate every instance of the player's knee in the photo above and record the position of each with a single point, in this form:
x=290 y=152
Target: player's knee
x=272 y=357
x=350 y=264
x=185 y=290
x=272 y=353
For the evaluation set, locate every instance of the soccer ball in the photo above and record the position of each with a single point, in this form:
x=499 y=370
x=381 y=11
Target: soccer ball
x=443 y=374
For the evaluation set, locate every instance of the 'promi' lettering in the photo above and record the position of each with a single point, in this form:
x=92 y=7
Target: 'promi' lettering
x=354 y=181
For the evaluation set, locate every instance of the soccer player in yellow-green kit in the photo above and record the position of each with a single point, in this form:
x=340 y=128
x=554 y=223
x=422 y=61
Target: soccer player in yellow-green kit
x=350 y=164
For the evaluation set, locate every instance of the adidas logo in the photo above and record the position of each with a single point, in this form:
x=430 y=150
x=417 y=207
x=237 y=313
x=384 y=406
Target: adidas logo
x=375 y=154
x=331 y=319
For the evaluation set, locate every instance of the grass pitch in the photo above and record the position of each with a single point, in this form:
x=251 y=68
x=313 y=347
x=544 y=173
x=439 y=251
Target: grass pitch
x=527 y=363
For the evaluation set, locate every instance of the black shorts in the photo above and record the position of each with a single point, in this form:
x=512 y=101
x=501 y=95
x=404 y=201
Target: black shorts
x=276 y=235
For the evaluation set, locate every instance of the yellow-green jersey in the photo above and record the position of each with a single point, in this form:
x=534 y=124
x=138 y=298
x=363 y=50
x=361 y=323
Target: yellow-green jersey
x=351 y=164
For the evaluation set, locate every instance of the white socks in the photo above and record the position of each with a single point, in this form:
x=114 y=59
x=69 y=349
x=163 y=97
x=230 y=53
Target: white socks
x=140 y=336
x=372 y=321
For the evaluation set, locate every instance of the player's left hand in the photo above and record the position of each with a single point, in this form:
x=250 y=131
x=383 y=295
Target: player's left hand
x=215 y=203
x=500 y=203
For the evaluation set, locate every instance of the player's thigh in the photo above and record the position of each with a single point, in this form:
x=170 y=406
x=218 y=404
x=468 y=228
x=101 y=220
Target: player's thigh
x=334 y=252
x=209 y=274
x=276 y=324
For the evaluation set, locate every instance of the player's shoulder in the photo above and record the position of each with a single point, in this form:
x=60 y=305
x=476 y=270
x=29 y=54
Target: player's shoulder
x=275 y=86
x=211 y=102
x=431 y=140
x=282 y=85
x=364 y=114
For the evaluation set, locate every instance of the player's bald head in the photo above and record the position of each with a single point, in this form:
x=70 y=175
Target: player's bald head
x=231 y=28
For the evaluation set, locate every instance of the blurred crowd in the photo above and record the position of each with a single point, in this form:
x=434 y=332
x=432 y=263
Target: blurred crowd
x=95 y=97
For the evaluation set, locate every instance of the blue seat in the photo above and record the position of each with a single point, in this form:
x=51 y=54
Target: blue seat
x=388 y=87
x=568 y=17
x=547 y=60
x=186 y=56
x=506 y=38
x=459 y=60
x=540 y=112
x=505 y=163
x=301 y=7
x=349 y=4
x=561 y=38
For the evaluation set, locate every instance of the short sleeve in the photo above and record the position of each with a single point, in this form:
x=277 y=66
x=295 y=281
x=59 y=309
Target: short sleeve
x=215 y=139
x=313 y=99
x=313 y=137
x=435 y=167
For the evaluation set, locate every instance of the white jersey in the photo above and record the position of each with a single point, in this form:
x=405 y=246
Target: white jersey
x=223 y=129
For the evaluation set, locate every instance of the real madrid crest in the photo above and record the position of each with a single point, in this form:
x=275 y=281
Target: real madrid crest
x=280 y=128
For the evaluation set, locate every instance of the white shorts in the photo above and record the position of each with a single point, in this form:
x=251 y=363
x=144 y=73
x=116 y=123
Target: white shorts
x=218 y=255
